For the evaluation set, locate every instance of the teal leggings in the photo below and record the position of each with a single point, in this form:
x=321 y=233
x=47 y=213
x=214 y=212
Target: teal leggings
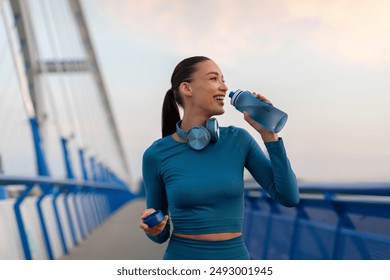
x=189 y=249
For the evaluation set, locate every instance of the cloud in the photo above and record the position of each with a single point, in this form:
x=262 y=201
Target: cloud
x=355 y=29
x=223 y=28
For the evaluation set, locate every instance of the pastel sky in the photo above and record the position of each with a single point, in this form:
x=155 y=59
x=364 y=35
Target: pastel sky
x=325 y=63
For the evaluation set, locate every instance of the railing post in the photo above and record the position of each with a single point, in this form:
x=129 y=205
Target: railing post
x=43 y=170
x=69 y=216
x=43 y=224
x=95 y=200
x=301 y=214
x=339 y=245
x=273 y=210
x=80 y=192
x=92 y=207
x=19 y=221
x=42 y=167
x=69 y=175
x=93 y=169
x=68 y=165
x=78 y=210
x=57 y=193
x=250 y=204
x=82 y=164
x=86 y=210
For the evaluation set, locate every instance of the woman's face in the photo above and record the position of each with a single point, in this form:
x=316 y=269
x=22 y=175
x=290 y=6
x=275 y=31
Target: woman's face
x=207 y=89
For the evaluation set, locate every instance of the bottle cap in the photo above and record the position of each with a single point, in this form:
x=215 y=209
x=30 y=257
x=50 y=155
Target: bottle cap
x=233 y=95
x=154 y=218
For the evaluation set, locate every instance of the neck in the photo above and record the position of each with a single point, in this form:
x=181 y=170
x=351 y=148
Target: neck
x=191 y=121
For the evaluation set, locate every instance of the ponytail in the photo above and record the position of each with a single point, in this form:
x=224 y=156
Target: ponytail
x=170 y=111
x=170 y=114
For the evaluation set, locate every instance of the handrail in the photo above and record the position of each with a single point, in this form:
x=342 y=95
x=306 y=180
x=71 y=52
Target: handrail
x=331 y=221
x=46 y=180
x=94 y=194
x=359 y=188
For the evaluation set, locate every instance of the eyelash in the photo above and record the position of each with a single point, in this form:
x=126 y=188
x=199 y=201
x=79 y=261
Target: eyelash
x=215 y=78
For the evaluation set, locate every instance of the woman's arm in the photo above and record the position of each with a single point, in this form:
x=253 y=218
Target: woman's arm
x=275 y=174
x=155 y=197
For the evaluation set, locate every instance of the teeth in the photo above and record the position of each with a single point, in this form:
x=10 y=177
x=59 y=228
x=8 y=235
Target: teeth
x=220 y=97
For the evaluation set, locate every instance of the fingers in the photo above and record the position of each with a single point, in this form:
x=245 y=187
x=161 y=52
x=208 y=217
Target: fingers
x=257 y=126
x=147 y=212
x=248 y=118
x=155 y=230
x=252 y=122
x=262 y=97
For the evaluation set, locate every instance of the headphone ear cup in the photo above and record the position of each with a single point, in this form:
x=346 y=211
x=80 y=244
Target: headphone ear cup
x=198 y=137
x=213 y=128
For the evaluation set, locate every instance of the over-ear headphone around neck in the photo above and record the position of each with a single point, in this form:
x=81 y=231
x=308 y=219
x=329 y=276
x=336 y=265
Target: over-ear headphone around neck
x=198 y=137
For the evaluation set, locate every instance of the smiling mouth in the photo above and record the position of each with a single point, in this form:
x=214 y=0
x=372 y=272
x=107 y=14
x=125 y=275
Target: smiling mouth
x=220 y=97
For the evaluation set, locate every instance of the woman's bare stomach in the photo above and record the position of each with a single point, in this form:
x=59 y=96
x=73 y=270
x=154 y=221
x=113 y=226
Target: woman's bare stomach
x=210 y=236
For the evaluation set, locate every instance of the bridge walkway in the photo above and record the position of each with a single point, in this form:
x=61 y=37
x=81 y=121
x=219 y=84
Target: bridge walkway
x=119 y=238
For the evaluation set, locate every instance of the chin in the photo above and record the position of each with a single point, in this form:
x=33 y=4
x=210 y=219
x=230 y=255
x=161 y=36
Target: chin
x=219 y=112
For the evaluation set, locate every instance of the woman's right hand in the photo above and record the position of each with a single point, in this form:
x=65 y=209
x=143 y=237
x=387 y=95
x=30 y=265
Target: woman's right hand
x=157 y=229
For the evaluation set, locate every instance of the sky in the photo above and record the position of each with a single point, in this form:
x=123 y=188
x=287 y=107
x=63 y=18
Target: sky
x=325 y=63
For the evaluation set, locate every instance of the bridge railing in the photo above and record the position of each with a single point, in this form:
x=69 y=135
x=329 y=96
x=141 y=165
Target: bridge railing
x=332 y=221
x=48 y=216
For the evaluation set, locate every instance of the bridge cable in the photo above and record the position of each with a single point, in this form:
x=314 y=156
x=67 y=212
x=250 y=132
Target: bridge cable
x=96 y=137
x=56 y=53
x=71 y=42
x=96 y=112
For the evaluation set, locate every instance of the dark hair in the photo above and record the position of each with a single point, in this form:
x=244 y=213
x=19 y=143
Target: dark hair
x=170 y=110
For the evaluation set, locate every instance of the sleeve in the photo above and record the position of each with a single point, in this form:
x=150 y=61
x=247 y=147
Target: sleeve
x=155 y=191
x=274 y=174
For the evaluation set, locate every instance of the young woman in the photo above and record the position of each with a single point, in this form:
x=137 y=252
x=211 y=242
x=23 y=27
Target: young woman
x=194 y=174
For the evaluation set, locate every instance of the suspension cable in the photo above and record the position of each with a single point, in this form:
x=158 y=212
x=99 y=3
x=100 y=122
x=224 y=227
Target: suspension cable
x=55 y=51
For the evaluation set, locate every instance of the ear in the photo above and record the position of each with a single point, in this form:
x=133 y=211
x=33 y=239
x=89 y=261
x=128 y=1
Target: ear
x=185 y=88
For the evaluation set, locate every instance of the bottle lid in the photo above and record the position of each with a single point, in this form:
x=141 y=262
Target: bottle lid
x=233 y=95
x=154 y=218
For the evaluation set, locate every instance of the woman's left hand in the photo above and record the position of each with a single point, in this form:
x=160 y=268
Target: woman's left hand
x=266 y=134
x=155 y=230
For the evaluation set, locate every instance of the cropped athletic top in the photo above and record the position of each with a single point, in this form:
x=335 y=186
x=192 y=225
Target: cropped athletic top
x=203 y=190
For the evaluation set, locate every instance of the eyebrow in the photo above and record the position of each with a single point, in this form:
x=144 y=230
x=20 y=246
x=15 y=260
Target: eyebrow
x=213 y=73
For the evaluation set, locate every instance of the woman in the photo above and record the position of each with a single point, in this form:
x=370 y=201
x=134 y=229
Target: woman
x=198 y=177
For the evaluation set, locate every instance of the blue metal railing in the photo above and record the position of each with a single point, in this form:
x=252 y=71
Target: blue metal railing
x=332 y=221
x=99 y=201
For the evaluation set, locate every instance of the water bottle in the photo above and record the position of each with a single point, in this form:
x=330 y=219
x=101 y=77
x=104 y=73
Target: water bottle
x=264 y=113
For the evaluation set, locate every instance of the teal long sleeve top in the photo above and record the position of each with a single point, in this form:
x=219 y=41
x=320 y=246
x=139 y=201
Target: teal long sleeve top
x=203 y=191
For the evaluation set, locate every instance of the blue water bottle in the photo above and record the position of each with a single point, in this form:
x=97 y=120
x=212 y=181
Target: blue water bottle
x=264 y=113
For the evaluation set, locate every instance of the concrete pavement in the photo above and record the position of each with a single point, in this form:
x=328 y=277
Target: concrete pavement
x=119 y=238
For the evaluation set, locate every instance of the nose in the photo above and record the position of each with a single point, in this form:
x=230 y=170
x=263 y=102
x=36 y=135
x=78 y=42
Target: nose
x=223 y=86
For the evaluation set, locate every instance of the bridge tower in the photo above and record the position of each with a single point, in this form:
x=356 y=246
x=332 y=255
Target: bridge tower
x=36 y=66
